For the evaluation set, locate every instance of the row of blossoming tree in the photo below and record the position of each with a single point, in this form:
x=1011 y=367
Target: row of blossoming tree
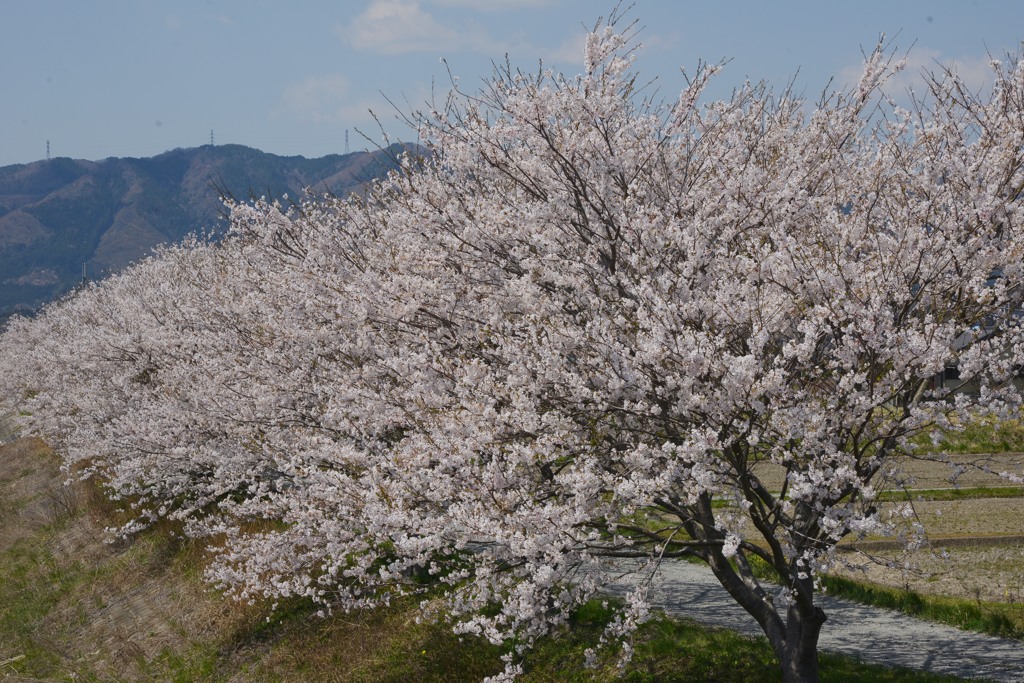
x=577 y=328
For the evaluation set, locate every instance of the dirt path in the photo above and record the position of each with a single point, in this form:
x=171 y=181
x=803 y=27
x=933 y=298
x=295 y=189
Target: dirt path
x=872 y=634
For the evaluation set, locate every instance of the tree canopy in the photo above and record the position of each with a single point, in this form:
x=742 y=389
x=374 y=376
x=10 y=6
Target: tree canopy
x=582 y=329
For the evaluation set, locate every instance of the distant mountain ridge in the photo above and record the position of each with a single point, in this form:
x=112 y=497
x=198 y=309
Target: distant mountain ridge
x=59 y=215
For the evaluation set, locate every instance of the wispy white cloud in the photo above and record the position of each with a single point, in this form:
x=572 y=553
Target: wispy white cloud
x=330 y=100
x=316 y=99
x=493 y=5
x=393 y=27
x=399 y=27
x=569 y=52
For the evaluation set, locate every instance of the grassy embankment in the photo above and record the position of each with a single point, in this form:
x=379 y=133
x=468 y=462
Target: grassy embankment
x=994 y=618
x=980 y=436
x=75 y=608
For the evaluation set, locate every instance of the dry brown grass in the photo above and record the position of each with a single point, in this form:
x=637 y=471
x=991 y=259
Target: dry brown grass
x=31 y=494
x=980 y=573
x=971 y=517
x=83 y=608
x=98 y=609
x=977 y=544
x=981 y=470
x=132 y=605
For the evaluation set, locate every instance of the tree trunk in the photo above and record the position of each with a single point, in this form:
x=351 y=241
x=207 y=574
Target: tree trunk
x=795 y=640
x=798 y=656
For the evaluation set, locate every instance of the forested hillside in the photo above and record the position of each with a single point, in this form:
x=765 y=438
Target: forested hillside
x=60 y=215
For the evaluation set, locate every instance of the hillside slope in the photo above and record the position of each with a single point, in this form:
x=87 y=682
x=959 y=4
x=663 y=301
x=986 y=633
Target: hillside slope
x=62 y=215
x=73 y=607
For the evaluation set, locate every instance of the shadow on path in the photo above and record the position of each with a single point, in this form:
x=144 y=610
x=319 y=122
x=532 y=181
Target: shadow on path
x=869 y=633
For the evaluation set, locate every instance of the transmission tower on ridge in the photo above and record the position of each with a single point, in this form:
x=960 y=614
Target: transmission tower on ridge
x=346 y=141
x=211 y=137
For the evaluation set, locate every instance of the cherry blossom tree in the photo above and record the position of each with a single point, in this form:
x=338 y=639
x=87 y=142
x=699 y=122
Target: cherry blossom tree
x=583 y=334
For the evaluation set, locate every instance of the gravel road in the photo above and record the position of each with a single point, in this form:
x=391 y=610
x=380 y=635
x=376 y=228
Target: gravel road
x=874 y=635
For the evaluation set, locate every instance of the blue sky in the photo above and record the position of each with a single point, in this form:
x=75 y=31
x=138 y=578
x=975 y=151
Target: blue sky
x=101 y=78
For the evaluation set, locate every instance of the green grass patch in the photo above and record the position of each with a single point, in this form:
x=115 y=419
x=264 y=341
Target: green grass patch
x=195 y=663
x=982 y=435
x=676 y=651
x=993 y=618
x=32 y=584
x=390 y=646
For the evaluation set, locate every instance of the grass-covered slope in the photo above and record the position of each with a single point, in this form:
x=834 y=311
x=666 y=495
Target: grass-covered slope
x=73 y=607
